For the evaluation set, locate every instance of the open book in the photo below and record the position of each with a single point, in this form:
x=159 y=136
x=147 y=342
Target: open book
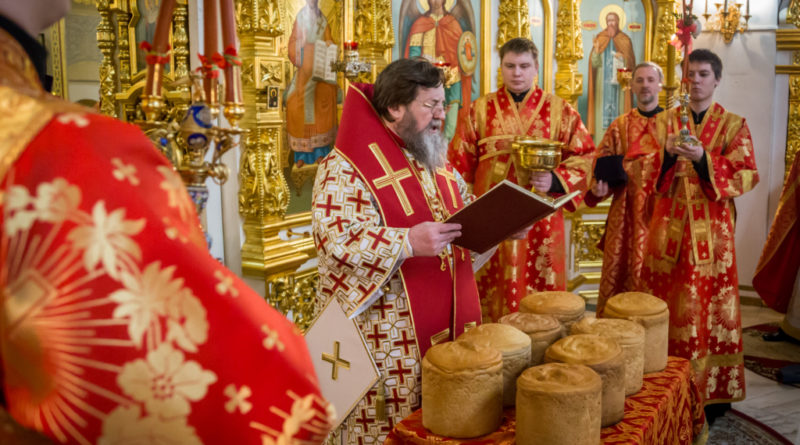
x=501 y=212
x=324 y=56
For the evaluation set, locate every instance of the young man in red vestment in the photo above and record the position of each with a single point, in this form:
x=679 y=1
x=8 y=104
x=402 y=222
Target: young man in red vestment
x=690 y=261
x=627 y=159
x=116 y=325
x=481 y=151
x=380 y=199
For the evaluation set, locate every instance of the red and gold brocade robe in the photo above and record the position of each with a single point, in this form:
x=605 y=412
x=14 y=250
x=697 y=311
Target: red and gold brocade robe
x=117 y=325
x=481 y=151
x=367 y=194
x=635 y=137
x=690 y=261
x=779 y=264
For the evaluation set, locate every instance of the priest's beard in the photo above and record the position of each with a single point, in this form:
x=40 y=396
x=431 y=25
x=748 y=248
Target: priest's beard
x=428 y=146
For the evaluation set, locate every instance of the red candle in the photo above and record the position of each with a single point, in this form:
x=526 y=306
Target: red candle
x=160 y=45
x=210 y=24
x=232 y=90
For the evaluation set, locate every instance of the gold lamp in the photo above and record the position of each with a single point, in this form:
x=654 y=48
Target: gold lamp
x=728 y=20
x=537 y=155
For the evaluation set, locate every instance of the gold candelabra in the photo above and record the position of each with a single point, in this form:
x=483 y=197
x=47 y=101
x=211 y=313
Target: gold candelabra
x=537 y=155
x=728 y=20
x=185 y=140
x=351 y=65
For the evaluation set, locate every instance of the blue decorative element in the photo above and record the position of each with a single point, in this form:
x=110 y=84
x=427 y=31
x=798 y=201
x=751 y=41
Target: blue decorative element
x=312 y=156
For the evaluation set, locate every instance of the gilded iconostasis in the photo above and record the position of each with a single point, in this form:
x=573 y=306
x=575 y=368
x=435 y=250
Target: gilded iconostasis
x=258 y=220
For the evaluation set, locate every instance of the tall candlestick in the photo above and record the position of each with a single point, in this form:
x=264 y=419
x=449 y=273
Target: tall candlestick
x=160 y=45
x=210 y=35
x=232 y=90
x=670 y=65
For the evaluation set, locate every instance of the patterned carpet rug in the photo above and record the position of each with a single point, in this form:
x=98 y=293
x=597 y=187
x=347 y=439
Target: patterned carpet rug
x=735 y=428
x=766 y=358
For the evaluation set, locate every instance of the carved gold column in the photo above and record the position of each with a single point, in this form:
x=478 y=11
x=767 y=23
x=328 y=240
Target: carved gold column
x=512 y=21
x=569 y=49
x=789 y=40
x=263 y=192
x=665 y=29
x=373 y=30
x=106 y=41
x=123 y=17
x=180 y=40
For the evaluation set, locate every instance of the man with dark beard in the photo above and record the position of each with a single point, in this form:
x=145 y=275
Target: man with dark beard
x=384 y=253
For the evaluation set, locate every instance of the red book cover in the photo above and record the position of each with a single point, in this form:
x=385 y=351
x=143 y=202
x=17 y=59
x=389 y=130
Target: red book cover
x=501 y=212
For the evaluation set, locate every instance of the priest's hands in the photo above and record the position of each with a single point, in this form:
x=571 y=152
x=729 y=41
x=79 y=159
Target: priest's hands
x=600 y=189
x=541 y=181
x=430 y=238
x=692 y=151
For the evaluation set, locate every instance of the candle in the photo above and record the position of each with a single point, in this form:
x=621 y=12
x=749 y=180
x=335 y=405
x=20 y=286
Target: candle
x=160 y=45
x=747 y=11
x=670 y=65
x=232 y=90
x=706 y=12
x=210 y=24
x=725 y=7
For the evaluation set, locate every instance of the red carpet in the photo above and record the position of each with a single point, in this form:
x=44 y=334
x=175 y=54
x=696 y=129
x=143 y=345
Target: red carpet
x=766 y=358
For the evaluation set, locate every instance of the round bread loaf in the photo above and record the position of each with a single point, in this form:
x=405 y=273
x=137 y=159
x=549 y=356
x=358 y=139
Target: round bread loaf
x=542 y=329
x=604 y=356
x=559 y=403
x=650 y=312
x=513 y=344
x=630 y=337
x=566 y=307
x=462 y=390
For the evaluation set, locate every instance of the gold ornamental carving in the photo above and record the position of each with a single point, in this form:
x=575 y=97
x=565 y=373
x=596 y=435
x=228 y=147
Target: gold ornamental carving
x=665 y=29
x=793 y=120
x=262 y=189
x=373 y=30
x=295 y=294
x=106 y=41
x=569 y=49
x=512 y=21
x=264 y=17
x=789 y=40
x=123 y=17
x=793 y=13
x=584 y=238
x=121 y=82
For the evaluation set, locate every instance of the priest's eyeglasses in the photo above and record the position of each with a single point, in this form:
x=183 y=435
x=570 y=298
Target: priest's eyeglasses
x=436 y=105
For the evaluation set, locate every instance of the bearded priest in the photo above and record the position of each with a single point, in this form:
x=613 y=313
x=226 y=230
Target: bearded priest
x=380 y=199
